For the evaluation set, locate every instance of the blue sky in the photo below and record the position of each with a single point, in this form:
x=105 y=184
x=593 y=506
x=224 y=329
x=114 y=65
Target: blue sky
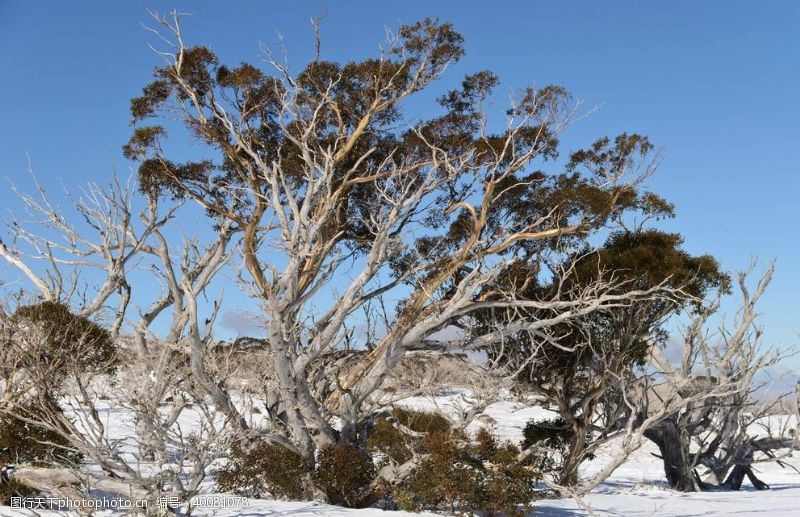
x=713 y=83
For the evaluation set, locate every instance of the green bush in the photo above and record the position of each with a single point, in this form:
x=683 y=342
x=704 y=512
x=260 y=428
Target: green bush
x=485 y=445
x=25 y=442
x=421 y=421
x=442 y=480
x=555 y=435
x=346 y=475
x=462 y=476
x=266 y=468
x=391 y=445
x=388 y=444
x=456 y=473
x=68 y=339
x=507 y=487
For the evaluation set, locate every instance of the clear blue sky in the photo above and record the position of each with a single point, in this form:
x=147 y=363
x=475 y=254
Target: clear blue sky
x=713 y=83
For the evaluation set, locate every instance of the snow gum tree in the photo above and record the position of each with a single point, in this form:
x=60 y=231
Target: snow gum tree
x=582 y=368
x=714 y=443
x=367 y=240
x=328 y=181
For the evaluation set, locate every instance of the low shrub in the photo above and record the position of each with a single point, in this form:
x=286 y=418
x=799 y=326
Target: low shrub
x=388 y=444
x=266 y=468
x=507 y=487
x=24 y=442
x=456 y=473
x=421 y=421
x=463 y=476
x=442 y=480
x=485 y=444
x=391 y=445
x=67 y=339
x=346 y=474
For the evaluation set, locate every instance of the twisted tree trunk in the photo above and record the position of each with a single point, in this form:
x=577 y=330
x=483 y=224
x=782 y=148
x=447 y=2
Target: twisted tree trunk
x=678 y=466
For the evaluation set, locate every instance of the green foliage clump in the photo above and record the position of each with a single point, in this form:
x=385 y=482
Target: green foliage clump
x=388 y=443
x=442 y=480
x=345 y=474
x=458 y=475
x=391 y=445
x=266 y=468
x=22 y=441
x=421 y=421
x=68 y=339
x=507 y=487
x=554 y=435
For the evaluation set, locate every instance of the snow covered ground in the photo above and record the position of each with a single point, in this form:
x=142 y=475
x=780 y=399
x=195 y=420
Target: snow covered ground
x=637 y=488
